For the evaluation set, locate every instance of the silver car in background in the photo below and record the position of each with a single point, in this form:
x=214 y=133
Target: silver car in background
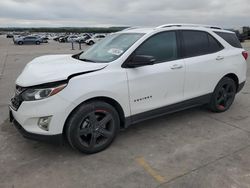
x=27 y=40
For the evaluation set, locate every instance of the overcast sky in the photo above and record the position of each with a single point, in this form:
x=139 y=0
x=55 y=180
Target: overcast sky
x=82 y=13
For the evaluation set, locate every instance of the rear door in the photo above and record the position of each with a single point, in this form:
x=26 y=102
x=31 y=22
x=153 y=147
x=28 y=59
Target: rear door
x=161 y=84
x=204 y=61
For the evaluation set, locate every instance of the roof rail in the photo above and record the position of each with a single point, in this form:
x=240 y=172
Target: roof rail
x=188 y=25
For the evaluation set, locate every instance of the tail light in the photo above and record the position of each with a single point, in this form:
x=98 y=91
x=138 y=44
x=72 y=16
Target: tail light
x=245 y=55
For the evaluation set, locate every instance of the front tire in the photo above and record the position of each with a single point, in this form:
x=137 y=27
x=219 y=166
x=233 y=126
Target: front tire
x=223 y=95
x=20 y=43
x=92 y=127
x=37 y=42
x=91 y=42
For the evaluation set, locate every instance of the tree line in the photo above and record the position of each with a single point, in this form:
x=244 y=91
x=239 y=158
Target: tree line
x=65 y=29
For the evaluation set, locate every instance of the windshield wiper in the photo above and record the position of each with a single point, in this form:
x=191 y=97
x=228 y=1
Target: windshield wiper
x=77 y=56
x=88 y=60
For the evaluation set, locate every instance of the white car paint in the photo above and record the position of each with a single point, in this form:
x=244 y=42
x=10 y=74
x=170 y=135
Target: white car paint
x=162 y=83
x=51 y=68
x=158 y=82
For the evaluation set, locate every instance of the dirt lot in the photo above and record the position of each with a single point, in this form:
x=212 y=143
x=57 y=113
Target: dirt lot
x=189 y=149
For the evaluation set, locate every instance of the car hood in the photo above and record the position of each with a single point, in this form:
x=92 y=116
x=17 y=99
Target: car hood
x=52 y=68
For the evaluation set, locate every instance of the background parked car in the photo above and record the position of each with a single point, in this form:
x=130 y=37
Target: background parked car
x=71 y=38
x=95 y=39
x=56 y=38
x=241 y=36
x=45 y=39
x=9 y=35
x=63 y=39
x=83 y=38
x=27 y=40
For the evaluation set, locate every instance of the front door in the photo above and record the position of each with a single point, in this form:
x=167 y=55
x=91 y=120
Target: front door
x=161 y=84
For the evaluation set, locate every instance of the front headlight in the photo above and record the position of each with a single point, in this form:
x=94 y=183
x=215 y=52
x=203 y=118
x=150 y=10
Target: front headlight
x=32 y=94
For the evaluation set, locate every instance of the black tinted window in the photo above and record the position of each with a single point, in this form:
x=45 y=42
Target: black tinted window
x=195 y=43
x=214 y=45
x=198 y=43
x=231 y=38
x=29 y=38
x=162 y=46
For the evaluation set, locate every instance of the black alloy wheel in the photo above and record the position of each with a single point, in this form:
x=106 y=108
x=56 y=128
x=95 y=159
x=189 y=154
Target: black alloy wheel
x=93 y=127
x=223 y=95
x=96 y=129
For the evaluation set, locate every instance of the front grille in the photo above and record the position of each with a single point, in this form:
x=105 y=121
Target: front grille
x=17 y=100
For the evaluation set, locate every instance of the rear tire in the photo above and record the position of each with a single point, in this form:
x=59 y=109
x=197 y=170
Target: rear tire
x=20 y=43
x=37 y=43
x=223 y=95
x=92 y=127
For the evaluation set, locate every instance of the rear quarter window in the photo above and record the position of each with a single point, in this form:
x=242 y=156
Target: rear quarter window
x=214 y=45
x=231 y=38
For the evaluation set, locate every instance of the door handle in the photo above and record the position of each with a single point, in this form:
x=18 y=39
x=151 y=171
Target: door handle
x=219 y=58
x=176 y=66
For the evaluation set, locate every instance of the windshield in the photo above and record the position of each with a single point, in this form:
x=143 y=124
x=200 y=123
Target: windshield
x=110 y=48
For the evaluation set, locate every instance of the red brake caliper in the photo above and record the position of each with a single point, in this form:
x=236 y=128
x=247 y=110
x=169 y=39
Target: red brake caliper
x=102 y=111
x=221 y=107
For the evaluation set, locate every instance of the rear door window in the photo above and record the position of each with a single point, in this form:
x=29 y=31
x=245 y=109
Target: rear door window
x=196 y=43
x=231 y=38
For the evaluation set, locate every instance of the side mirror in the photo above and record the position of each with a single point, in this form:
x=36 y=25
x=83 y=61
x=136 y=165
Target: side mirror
x=140 y=60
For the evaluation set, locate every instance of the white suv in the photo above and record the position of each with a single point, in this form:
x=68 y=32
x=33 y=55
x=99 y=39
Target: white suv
x=130 y=76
